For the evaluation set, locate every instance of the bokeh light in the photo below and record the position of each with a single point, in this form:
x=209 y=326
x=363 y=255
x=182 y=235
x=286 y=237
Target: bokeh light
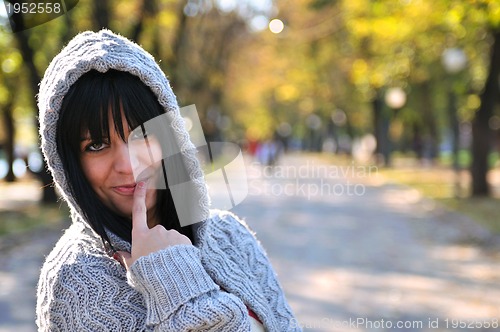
x=276 y=26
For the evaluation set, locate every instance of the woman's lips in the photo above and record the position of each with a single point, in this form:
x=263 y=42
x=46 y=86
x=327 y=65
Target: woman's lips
x=127 y=189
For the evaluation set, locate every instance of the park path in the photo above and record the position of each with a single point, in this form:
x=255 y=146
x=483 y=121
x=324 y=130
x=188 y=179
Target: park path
x=350 y=255
x=349 y=247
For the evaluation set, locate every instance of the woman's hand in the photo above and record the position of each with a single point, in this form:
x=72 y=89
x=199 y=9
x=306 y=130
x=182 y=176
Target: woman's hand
x=147 y=240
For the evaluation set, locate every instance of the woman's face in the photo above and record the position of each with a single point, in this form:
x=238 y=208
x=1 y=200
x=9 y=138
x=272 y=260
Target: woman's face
x=106 y=165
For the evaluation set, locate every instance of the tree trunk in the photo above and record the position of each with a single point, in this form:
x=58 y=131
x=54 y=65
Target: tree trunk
x=148 y=8
x=9 y=140
x=101 y=14
x=431 y=143
x=49 y=194
x=177 y=43
x=454 y=128
x=378 y=128
x=481 y=133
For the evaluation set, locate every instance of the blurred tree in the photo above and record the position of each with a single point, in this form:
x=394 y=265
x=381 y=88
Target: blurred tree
x=9 y=64
x=325 y=74
x=481 y=131
x=194 y=41
x=207 y=37
x=478 y=24
x=400 y=44
x=397 y=44
x=423 y=31
x=28 y=54
x=288 y=77
x=193 y=38
x=101 y=11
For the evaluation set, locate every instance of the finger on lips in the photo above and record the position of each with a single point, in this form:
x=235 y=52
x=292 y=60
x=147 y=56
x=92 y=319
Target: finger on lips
x=139 y=218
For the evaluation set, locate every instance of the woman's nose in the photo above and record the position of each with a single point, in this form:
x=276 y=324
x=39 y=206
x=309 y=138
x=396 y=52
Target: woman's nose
x=121 y=162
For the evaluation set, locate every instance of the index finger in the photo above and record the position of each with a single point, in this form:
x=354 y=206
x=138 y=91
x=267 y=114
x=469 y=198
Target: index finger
x=139 y=216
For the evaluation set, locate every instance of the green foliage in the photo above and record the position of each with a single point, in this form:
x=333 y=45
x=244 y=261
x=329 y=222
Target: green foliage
x=32 y=218
x=320 y=4
x=332 y=54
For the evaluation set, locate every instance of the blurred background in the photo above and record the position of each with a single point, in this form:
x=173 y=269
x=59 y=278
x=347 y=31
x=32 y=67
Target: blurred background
x=409 y=88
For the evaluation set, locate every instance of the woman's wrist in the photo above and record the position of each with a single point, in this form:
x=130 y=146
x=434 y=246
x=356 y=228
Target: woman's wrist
x=170 y=277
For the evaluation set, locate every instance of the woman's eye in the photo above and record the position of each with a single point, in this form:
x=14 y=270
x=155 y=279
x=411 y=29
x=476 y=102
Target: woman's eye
x=95 y=147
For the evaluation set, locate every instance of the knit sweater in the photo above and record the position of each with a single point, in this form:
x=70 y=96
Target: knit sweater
x=207 y=286
x=178 y=288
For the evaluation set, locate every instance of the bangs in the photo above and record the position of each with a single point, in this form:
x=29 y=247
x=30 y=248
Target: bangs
x=98 y=98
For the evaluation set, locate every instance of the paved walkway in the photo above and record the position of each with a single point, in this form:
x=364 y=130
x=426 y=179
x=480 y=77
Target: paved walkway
x=19 y=269
x=370 y=258
x=350 y=256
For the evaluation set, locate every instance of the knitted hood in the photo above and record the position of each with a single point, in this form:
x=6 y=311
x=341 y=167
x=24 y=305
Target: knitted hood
x=103 y=51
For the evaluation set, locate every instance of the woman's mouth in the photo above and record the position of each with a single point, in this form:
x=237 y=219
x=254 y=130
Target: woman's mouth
x=126 y=189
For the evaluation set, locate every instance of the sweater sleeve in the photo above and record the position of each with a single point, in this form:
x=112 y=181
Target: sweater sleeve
x=165 y=291
x=180 y=296
x=241 y=244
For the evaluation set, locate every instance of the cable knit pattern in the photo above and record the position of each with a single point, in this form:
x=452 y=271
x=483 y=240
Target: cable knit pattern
x=175 y=289
x=207 y=286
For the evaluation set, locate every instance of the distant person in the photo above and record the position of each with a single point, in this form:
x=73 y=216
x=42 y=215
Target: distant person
x=252 y=145
x=263 y=153
x=126 y=263
x=268 y=152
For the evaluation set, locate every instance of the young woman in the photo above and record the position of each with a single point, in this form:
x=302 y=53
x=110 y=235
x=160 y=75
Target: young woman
x=127 y=263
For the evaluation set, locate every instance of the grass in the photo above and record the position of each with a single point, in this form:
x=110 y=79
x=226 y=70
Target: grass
x=20 y=211
x=39 y=216
x=435 y=182
x=440 y=183
x=483 y=210
x=443 y=185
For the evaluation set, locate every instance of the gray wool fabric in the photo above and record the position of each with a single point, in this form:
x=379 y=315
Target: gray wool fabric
x=208 y=286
